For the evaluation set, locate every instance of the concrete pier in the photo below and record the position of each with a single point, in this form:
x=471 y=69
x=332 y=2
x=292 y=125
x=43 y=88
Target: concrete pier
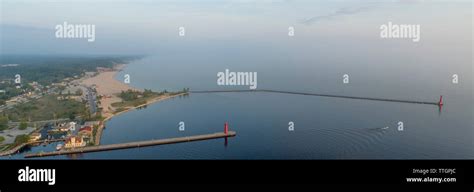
x=320 y=95
x=134 y=144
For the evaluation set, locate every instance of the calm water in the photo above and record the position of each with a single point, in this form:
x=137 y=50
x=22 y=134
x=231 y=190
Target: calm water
x=312 y=61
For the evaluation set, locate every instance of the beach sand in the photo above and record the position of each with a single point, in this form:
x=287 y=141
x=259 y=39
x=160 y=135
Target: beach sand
x=108 y=87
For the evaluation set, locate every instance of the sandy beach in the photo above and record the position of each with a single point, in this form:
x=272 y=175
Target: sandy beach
x=108 y=87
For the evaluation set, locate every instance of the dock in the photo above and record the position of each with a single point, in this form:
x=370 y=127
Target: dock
x=135 y=144
x=19 y=147
x=439 y=103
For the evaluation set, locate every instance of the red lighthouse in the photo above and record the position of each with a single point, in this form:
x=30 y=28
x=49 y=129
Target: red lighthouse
x=226 y=128
x=440 y=103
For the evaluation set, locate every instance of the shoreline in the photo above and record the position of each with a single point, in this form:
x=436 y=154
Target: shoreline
x=108 y=87
x=101 y=127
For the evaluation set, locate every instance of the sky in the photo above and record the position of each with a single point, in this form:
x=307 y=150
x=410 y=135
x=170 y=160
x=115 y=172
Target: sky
x=148 y=27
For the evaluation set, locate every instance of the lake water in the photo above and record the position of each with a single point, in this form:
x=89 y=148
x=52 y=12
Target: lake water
x=314 y=60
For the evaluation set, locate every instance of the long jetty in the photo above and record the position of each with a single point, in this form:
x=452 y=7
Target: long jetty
x=322 y=95
x=135 y=144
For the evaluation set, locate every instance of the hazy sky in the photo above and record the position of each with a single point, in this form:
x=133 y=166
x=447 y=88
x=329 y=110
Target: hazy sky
x=124 y=27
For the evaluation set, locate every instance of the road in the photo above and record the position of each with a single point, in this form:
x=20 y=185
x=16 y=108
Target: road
x=91 y=99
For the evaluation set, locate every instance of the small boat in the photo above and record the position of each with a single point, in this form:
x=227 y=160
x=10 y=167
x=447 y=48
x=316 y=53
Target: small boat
x=63 y=129
x=58 y=130
x=59 y=147
x=55 y=130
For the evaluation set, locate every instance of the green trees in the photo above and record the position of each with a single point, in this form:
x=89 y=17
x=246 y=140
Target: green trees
x=72 y=116
x=45 y=108
x=129 y=95
x=3 y=122
x=53 y=69
x=148 y=93
x=86 y=114
x=79 y=92
x=10 y=91
x=2 y=139
x=21 y=139
x=23 y=125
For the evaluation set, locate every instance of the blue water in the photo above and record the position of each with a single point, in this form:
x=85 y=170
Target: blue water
x=325 y=128
x=314 y=61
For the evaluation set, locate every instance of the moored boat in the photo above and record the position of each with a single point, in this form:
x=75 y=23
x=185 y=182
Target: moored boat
x=59 y=147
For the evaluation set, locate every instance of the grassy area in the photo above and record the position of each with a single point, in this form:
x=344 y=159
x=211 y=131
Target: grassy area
x=120 y=109
x=20 y=139
x=4 y=147
x=23 y=125
x=132 y=98
x=124 y=104
x=2 y=139
x=3 y=122
x=46 y=108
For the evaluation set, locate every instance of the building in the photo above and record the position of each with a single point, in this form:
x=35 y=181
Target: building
x=74 y=141
x=76 y=98
x=85 y=131
x=33 y=84
x=62 y=98
x=72 y=126
x=35 y=137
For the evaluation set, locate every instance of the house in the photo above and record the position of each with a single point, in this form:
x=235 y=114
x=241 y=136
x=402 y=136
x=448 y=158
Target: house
x=85 y=131
x=76 y=98
x=74 y=141
x=35 y=137
x=72 y=126
x=33 y=84
x=61 y=98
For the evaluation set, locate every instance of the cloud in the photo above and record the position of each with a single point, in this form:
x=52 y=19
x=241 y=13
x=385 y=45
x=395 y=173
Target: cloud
x=340 y=12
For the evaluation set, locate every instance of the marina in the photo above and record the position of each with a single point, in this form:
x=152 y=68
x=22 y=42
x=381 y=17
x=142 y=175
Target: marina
x=135 y=144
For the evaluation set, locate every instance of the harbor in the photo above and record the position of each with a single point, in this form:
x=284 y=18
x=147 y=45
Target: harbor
x=21 y=146
x=137 y=144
